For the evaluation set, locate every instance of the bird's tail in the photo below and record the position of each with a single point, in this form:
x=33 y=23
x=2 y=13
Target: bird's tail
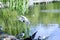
x=33 y=36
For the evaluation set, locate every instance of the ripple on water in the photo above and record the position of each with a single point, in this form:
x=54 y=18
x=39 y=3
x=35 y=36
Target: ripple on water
x=55 y=10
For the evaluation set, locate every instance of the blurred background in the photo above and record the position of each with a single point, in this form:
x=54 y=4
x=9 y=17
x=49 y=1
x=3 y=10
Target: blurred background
x=37 y=11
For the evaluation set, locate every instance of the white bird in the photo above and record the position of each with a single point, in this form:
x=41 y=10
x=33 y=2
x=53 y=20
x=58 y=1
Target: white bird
x=23 y=19
x=1 y=5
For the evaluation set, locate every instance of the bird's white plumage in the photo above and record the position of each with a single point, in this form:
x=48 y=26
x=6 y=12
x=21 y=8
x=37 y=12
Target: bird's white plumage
x=23 y=19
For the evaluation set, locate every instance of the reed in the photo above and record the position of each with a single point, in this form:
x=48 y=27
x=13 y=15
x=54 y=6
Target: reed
x=8 y=17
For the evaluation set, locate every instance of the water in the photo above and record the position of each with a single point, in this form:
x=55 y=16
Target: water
x=46 y=31
x=54 y=11
x=55 y=35
x=45 y=18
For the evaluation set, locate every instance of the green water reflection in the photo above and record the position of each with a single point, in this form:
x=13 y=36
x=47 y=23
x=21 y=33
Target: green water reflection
x=45 y=17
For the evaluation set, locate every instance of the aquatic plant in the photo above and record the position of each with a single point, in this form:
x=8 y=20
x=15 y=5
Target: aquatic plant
x=8 y=16
x=19 y=5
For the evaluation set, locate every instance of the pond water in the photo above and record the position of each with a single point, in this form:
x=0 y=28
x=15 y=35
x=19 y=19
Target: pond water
x=55 y=35
x=52 y=31
x=54 y=11
x=45 y=18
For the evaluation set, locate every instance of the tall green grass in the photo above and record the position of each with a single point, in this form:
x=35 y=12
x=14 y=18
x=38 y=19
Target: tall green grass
x=11 y=25
x=21 y=6
x=8 y=17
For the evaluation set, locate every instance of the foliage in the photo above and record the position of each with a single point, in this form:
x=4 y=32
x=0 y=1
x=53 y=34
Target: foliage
x=8 y=16
x=19 y=5
x=11 y=25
